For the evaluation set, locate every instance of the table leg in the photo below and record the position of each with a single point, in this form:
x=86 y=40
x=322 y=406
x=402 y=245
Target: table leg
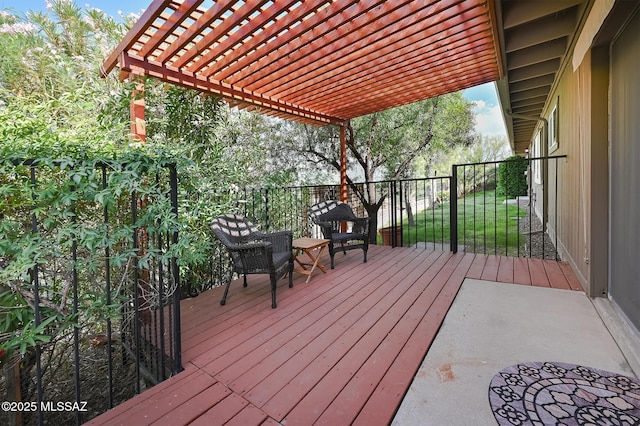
x=299 y=253
x=315 y=261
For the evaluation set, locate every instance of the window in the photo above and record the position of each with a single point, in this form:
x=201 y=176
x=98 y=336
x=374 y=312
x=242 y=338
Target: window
x=553 y=129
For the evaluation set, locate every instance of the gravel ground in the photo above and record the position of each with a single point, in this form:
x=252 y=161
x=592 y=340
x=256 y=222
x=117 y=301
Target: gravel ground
x=531 y=228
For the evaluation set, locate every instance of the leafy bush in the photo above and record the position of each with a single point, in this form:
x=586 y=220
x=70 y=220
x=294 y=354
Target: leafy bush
x=512 y=178
x=60 y=190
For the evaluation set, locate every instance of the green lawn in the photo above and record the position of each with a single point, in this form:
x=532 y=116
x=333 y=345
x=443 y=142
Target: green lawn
x=492 y=229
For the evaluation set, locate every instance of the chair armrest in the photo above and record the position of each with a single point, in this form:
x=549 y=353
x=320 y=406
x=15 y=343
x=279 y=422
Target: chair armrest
x=282 y=240
x=326 y=228
x=361 y=225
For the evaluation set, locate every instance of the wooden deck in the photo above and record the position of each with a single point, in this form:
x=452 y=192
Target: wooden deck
x=342 y=349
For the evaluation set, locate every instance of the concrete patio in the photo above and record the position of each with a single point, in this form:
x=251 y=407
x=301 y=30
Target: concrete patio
x=493 y=325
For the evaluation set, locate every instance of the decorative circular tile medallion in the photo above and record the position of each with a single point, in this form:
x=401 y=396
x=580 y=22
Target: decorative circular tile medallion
x=555 y=393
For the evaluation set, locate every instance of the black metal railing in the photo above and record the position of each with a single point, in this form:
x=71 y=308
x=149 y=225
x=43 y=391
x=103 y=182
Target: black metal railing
x=118 y=294
x=102 y=287
x=514 y=219
x=419 y=212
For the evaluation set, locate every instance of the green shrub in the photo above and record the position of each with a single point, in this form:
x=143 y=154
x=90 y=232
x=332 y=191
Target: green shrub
x=512 y=178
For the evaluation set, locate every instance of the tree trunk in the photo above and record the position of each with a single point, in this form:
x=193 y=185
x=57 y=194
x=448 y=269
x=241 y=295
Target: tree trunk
x=14 y=394
x=407 y=204
x=372 y=212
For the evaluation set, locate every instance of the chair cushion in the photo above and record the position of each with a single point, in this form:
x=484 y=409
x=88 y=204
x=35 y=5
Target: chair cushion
x=346 y=236
x=280 y=259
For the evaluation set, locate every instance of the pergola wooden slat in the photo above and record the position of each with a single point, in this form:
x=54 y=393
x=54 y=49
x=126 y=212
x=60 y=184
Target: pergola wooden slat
x=381 y=57
x=316 y=61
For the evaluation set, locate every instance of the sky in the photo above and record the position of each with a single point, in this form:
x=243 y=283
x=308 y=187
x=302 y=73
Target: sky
x=110 y=7
x=489 y=121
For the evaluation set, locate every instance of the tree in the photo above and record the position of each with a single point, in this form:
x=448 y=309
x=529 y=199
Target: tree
x=512 y=178
x=483 y=149
x=488 y=148
x=55 y=108
x=384 y=144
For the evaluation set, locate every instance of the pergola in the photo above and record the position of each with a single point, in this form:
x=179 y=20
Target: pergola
x=315 y=61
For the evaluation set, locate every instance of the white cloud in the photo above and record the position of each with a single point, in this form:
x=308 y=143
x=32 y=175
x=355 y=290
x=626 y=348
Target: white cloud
x=488 y=118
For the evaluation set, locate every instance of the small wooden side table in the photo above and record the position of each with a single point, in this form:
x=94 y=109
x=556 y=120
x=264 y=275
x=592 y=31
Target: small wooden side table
x=308 y=245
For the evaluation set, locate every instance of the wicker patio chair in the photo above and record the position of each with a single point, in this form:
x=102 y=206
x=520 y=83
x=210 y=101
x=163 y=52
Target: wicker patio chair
x=254 y=252
x=330 y=217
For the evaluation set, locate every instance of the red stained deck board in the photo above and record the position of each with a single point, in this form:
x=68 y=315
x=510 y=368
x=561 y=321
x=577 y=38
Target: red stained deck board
x=573 y=281
x=376 y=349
x=265 y=323
x=521 y=271
x=194 y=407
x=149 y=408
x=241 y=300
x=187 y=374
x=205 y=308
x=347 y=405
x=312 y=363
x=477 y=266
x=261 y=332
x=505 y=270
x=555 y=275
x=258 y=366
x=382 y=405
x=346 y=348
x=249 y=415
x=490 y=271
x=205 y=311
x=538 y=274
x=221 y=412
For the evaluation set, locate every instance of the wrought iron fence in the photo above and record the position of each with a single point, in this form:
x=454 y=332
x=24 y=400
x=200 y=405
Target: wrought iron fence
x=484 y=218
x=513 y=217
x=103 y=289
x=132 y=289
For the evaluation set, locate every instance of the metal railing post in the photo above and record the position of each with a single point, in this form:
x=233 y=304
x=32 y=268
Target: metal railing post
x=177 y=355
x=453 y=209
x=36 y=300
x=266 y=210
x=399 y=228
x=392 y=211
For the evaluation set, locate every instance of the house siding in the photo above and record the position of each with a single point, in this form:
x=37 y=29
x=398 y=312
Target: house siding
x=625 y=173
x=571 y=201
x=585 y=102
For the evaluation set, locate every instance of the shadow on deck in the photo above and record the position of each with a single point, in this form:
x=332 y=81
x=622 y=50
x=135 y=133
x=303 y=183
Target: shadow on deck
x=342 y=349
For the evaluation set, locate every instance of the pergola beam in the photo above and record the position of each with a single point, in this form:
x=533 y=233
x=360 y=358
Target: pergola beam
x=344 y=38
x=225 y=90
x=319 y=24
x=409 y=72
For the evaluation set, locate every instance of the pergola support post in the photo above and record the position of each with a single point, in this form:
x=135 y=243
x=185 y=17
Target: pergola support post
x=139 y=134
x=136 y=112
x=343 y=163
